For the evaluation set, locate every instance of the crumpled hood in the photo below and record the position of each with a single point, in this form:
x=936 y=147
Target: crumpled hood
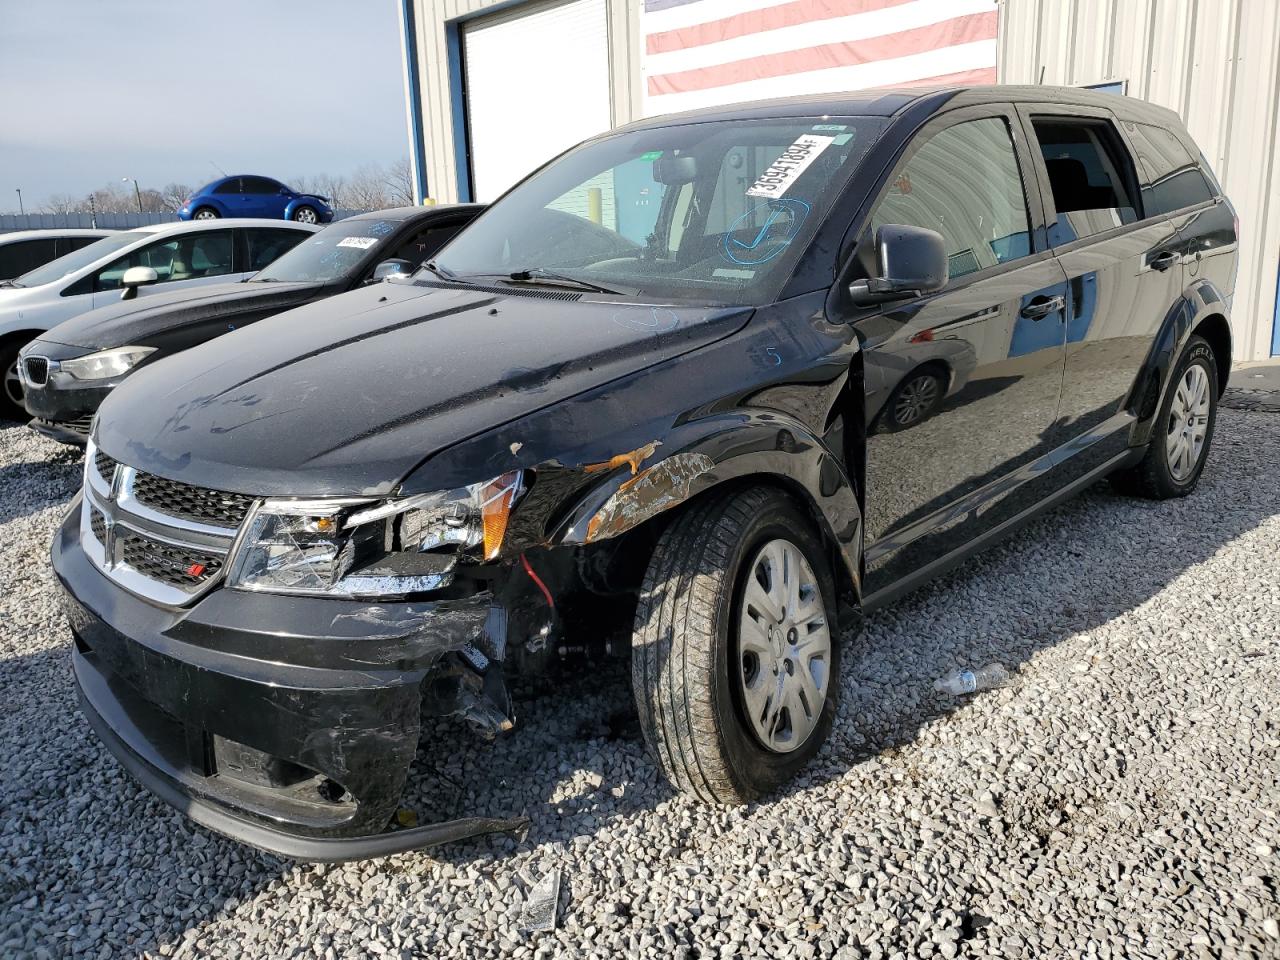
x=349 y=394
x=134 y=321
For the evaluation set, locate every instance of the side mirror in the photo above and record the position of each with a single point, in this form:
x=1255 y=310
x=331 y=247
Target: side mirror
x=391 y=268
x=910 y=261
x=134 y=278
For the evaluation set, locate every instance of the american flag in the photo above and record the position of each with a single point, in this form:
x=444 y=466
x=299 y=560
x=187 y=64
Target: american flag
x=703 y=52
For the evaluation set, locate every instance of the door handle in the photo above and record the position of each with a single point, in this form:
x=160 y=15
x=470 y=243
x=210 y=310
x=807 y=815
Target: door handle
x=1164 y=261
x=1042 y=307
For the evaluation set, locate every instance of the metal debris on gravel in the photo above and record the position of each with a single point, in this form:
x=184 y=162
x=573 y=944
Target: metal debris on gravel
x=1118 y=798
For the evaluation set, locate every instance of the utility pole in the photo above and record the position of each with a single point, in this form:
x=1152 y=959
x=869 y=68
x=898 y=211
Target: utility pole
x=21 y=212
x=93 y=212
x=136 y=192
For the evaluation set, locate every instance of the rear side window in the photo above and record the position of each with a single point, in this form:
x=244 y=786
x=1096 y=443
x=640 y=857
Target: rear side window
x=1171 y=177
x=260 y=185
x=1090 y=174
x=17 y=258
x=230 y=186
x=963 y=183
x=68 y=244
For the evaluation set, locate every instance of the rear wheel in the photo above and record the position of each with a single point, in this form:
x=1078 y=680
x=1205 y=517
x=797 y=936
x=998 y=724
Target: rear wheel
x=735 y=659
x=1183 y=430
x=305 y=214
x=205 y=213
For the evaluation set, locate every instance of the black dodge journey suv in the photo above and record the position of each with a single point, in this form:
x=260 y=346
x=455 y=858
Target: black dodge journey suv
x=746 y=371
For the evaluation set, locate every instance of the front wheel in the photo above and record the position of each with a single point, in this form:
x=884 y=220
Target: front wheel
x=11 y=398
x=305 y=214
x=735 y=659
x=1182 y=433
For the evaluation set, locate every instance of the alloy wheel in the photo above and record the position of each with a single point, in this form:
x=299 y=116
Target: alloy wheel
x=916 y=400
x=1188 y=423
x=13 y=384
x=784 y=647
x=306 y=215
x=206 y=215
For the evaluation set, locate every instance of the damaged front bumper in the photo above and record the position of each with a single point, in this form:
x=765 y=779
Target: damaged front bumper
x=300 y=743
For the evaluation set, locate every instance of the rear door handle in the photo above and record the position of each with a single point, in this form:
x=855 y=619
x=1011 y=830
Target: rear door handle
x=1042 y=307
x=1164 y=261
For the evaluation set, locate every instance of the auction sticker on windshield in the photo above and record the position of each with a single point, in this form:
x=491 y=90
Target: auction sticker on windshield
x=360 y=243
x=783 y=172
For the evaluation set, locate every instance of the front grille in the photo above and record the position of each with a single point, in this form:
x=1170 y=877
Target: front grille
x=37 y=370
x=177 y=566
x=194 y=503
x=105 y=466
x=98 y=524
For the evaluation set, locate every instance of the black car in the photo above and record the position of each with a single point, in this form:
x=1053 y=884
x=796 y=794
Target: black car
x=68 y=372
x=653 y=372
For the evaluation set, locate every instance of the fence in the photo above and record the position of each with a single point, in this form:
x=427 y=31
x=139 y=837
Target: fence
x=10 y=222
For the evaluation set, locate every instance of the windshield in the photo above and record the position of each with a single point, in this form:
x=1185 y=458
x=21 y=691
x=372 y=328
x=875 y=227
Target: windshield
x=57 y=269
x=713 y=212
x=334 y=252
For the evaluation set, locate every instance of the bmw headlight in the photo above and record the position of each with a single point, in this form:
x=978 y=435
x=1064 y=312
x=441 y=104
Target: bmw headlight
x=348 y=547
x=106 y=364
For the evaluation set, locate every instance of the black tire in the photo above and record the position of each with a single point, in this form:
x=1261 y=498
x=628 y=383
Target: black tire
x=11 y=390
x=311 y=215
x=1155 y=477
x=206 y=213
x=685 y=640
x=914 y=400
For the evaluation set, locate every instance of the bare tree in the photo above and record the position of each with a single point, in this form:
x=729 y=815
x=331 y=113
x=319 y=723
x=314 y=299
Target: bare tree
x=174 y=195
x=64 y=203
x=399 y=181
x=367 y=189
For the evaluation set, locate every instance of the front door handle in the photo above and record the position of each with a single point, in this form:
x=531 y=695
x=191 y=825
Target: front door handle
x=1042 y=307
x=1164 y=261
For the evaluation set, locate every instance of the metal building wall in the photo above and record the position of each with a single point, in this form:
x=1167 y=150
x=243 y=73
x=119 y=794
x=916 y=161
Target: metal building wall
x=433 y=21
x=1217 y=63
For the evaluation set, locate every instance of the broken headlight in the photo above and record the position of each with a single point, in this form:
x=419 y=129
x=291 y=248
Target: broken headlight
x=347 y=547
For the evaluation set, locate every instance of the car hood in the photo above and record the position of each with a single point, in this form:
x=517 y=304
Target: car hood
x=347 y=395
x=134 y=321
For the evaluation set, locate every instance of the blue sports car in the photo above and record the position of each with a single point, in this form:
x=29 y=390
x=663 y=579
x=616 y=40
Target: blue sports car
x=245 y=196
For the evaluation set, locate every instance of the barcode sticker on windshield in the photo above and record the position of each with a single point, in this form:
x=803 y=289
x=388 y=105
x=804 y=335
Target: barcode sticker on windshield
x=360 y=243
x=783 y=172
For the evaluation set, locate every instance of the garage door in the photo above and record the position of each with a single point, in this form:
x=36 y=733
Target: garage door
x=537 y=82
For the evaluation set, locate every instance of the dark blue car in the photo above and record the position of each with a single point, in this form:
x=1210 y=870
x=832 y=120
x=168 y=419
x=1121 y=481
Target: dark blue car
x=246 y=196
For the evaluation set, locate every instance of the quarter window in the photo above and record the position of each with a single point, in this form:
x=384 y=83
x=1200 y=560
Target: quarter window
x=1171 y=178
x=1089 y=174
x=963 y=183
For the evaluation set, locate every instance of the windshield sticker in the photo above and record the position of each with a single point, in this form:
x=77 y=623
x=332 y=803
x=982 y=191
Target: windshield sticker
x=843 y=139
x=360 y=243
x=784 y=171
x=831 y=126
x=733 y=274
x=651 y=155
x=748 y=245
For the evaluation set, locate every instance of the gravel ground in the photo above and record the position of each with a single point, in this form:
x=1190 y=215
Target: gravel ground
x=1118 y=798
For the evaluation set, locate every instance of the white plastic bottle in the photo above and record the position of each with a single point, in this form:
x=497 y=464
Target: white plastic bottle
x=958 y=682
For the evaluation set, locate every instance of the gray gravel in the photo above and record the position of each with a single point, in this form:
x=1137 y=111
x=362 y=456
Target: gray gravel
x=1119 y=798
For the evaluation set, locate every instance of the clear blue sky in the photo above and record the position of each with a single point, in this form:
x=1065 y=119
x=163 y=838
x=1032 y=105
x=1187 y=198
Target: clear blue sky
x=95 y=90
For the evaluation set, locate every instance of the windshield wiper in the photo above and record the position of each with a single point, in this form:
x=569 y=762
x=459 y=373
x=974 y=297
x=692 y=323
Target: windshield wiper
x=9 y=283
x=444 y=273
x=548 y=278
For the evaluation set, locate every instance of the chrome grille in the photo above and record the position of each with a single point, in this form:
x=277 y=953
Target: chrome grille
x=178 y=566
x=194 y=503
x=37 y=369
x=165 y=541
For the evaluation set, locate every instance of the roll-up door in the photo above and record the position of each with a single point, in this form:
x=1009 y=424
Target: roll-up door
x=537 y=82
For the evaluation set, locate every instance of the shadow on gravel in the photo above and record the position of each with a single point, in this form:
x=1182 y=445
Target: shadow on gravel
x=29 y=487
x=94 y=864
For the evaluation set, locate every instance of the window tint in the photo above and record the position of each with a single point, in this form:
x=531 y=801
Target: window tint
x=1171 y=179
x=423 y=244
x=230 y=186
x=1089 y=173
x=17 y=258
x=187 y=257
x=266 y=245
x=963 y=183
x=68 y=244
x=260 y=185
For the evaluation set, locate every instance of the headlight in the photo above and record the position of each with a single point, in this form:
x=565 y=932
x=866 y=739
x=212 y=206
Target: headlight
x=106 y=364
x=345 y=547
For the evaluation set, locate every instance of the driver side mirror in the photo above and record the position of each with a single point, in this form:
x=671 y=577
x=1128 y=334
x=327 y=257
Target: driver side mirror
x=136 y=277
x=391 y=268
x=910 y=261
